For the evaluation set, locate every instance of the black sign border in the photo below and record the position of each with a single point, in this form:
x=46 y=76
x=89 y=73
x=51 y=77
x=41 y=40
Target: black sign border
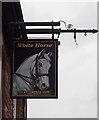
x=35 y=97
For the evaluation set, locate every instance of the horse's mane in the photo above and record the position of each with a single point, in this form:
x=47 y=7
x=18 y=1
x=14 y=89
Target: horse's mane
x=27 y=61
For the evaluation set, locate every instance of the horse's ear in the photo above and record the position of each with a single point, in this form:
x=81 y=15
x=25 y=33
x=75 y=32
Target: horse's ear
x=41 y=54
x=49 y=54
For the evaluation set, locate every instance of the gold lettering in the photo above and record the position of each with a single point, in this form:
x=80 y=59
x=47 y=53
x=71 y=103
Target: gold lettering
x=25 y=45
x=19 y=45
x=43 y=45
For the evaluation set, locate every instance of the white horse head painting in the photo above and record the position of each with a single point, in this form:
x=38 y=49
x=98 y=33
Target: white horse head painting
x=33 y=72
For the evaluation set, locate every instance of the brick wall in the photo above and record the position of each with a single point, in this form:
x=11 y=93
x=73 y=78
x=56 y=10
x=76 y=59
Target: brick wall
x=10 y=108
x=8 y=105
x=21 y=108
x=0 y=83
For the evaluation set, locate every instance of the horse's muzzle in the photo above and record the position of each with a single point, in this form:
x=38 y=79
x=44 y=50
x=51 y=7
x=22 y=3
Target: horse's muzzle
x=44 y=86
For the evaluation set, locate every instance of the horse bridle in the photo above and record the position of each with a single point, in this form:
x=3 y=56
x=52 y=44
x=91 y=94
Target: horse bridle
x=37 y=72
x=34 y=77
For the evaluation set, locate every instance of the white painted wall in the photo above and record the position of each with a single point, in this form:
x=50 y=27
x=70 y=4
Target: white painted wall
x=77 y=64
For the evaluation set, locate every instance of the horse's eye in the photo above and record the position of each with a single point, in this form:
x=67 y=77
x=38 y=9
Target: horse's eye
x=40 y=64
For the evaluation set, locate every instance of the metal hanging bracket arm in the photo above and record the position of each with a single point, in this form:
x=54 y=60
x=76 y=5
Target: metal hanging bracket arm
x=85 y=31
x=53 y=30
x=57 y=31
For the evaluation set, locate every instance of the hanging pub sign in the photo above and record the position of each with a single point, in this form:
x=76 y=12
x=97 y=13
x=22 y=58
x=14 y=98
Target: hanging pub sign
x=35 y=69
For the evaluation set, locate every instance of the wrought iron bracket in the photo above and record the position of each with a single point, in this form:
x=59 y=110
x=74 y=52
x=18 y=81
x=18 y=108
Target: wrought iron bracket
x=21 y=28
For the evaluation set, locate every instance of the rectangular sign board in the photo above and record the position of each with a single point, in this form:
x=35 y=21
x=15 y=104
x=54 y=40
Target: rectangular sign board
x=35 y=69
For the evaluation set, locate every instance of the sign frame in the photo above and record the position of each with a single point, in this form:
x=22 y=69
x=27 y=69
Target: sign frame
x=30 y=47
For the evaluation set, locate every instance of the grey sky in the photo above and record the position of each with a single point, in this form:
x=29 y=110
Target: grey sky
x=77 y=64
